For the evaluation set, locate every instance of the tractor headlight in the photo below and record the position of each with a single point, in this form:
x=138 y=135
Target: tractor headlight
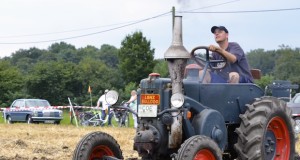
x=177 y=100
x=111 y=97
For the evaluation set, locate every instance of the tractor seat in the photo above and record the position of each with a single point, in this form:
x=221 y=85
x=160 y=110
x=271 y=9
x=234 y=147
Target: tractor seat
x=256 y=73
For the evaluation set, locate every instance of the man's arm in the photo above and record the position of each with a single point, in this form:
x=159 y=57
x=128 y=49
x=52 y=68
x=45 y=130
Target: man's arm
x=99 y=101
x=229 y=56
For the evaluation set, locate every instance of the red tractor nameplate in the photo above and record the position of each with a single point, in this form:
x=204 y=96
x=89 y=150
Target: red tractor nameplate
x=150 y=99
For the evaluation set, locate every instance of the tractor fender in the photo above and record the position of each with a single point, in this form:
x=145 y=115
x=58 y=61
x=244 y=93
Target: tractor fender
x=193 y=105
x=211 y=123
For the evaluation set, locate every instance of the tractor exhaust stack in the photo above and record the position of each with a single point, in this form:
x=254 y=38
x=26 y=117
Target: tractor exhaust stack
x=177 y=56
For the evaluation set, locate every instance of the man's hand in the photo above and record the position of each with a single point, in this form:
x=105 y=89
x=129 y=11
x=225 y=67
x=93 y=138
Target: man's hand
x=214 y=48
x=230 y=57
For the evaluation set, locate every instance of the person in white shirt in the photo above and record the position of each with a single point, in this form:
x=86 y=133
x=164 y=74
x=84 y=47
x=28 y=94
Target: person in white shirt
x=133 y=105
x=104 y=109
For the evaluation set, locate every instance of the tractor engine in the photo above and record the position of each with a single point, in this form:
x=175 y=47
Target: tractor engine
x=152 y=131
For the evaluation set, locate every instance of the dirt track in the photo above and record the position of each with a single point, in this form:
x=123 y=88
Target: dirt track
x=56 y=142
x=53 y=142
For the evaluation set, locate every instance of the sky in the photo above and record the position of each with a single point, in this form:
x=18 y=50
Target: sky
x=40 y=23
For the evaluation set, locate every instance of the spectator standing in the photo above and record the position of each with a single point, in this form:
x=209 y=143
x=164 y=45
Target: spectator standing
x=105 y=106
x=133 y=105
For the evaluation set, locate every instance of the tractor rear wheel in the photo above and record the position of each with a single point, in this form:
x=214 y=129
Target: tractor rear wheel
x=266 y=131
x=97 y=145
x=199 y=147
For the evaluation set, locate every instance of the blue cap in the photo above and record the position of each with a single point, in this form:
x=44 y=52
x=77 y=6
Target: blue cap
x=218 y=27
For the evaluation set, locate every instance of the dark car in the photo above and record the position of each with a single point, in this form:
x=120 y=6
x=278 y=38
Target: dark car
x=294 y=104
x=32 y=111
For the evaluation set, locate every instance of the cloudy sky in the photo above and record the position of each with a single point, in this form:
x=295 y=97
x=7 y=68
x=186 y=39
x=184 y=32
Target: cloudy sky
x=39 y=23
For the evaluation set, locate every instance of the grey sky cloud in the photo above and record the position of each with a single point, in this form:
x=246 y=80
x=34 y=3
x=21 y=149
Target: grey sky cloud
x=265 y=30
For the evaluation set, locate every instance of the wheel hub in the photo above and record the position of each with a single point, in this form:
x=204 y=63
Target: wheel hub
x=270 y=145
x=204 y=154
x=100 y=151
x=277 y=140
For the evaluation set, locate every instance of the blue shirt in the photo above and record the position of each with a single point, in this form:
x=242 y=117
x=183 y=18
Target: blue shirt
x=241 y=65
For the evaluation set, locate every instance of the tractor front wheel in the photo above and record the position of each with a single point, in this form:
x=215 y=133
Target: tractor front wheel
x=266 y=131
x=97 y=145
x=199 y=148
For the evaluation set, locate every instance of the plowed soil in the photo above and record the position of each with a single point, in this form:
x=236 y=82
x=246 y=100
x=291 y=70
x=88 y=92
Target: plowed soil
x=54 y=142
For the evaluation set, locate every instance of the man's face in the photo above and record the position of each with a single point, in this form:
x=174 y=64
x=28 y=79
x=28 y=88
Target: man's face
x=220 y=35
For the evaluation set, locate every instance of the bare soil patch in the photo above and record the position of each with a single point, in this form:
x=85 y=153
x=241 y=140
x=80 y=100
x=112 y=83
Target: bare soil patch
x=54 y=142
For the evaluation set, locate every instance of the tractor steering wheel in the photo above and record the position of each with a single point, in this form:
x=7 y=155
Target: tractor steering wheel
x=200 y=60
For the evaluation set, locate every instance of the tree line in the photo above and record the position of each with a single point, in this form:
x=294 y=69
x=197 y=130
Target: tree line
x=62 y=71
x=280 y=64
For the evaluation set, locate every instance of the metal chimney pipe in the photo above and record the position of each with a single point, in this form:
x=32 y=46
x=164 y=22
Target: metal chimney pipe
x=177 y=56
x=177 y=50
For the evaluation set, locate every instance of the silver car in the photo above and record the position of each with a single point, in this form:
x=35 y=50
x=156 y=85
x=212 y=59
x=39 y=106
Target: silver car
x=32 y=111
x=294 y=105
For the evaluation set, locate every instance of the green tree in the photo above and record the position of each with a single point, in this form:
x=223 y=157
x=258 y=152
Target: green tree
x=25 y=59
x=263 y=60
x=95 y=73
x=32 y=53
x=264 y=81
x=127 y=91
x=59 y=47
x=287 y=65
x=54 y=81
x=88 y=51
x=109 y=54
x=64 y=51
x=161 y=67
x=11 y=83
x=135 y=57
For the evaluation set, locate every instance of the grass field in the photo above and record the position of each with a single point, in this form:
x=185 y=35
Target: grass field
x=66 y=119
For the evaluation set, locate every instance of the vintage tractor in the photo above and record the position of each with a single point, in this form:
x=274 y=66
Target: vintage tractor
x=184 y=119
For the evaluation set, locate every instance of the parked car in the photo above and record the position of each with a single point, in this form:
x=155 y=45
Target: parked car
x=32 y=111
x=294 y=104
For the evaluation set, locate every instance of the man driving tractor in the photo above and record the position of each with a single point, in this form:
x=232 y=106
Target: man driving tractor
x=237 y=68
